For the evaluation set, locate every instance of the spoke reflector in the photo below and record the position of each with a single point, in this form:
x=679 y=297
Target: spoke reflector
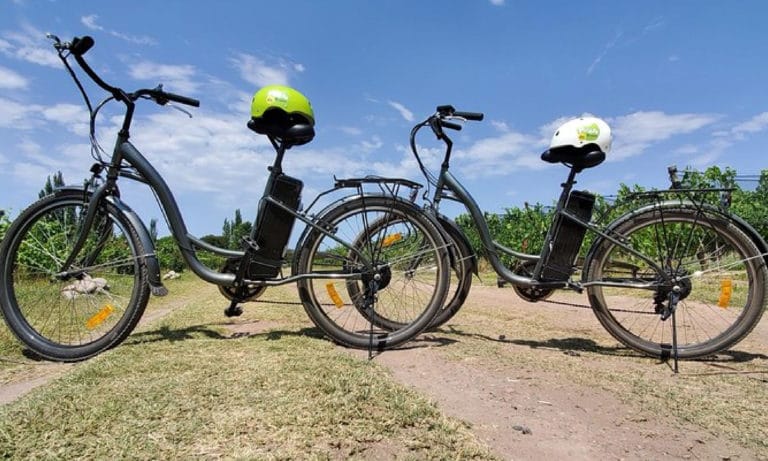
x=334 y=295
x=99 y=317
x=726 y=289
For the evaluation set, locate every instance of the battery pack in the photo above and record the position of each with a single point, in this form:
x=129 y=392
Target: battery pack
x=568 y=237
x=273 y=227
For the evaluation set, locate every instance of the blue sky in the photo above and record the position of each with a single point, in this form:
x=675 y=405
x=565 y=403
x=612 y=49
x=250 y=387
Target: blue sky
x=680 y=82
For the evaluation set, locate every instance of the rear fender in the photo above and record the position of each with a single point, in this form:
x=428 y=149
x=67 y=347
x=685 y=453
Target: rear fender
x=739 y=222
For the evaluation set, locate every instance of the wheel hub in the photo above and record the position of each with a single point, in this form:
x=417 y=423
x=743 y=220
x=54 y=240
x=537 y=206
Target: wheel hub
x=680 y=282
x=383 y=275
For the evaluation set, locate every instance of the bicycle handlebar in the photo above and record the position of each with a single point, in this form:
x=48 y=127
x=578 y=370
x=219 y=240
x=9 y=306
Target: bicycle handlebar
x=80 y=45
x=476 y=116
x=442 y=118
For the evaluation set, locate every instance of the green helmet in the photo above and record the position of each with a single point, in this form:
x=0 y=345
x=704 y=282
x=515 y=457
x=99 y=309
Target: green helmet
x=282 y=112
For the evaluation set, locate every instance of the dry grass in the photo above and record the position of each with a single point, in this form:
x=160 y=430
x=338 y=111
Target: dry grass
x=185 y=387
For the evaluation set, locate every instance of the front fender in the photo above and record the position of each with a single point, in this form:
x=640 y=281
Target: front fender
x=149 y=258
x=455 y=233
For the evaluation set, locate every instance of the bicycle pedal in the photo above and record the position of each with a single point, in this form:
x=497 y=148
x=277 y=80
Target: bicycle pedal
x=233 y=311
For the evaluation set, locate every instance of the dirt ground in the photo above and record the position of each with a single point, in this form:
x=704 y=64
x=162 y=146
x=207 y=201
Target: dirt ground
x=526 y=412
x=530 y=414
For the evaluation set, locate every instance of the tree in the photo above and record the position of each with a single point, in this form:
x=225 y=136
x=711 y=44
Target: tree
x=235 y=230
x=4 y=223
x=51 y=183
x=169 y=255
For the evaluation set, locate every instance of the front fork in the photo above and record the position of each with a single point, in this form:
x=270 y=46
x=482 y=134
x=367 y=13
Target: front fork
x=92 y=208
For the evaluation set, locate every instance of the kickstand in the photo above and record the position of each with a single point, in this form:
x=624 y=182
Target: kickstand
x=674 y=297
x=373 y=286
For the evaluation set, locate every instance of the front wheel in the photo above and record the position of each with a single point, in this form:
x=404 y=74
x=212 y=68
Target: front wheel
x=399 y=266
x=70 y=314
x=716 y=272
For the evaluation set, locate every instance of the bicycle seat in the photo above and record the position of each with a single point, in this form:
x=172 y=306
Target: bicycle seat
x=586 y=156
x=278 y=124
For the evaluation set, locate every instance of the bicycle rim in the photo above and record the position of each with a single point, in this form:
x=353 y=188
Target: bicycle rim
x=408 y=256
x=719 y=273
x=91 y=309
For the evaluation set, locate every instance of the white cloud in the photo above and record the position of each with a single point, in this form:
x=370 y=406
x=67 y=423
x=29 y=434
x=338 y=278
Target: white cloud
x=15 y=115
x=404 y=112
x=11 y=80
x=497 y=2
x=175 y=78
x=350 y=130
x=90 y=22
x=258 y=72
x=756 y=124
x=636 y=132
x=500 y=155
x=29 y=45
x=604 y=52
x=500 y=126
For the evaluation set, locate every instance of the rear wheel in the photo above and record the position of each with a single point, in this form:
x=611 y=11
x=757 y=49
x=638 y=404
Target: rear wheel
x=716 y=270
x=399 y=264
x=69 y=314
x=460 y=279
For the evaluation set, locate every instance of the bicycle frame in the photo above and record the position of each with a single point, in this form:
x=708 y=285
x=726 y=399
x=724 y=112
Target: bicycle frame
x=145 y=172
x=447 y=181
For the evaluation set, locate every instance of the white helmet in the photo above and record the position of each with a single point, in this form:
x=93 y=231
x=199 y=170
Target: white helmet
x=582 y=131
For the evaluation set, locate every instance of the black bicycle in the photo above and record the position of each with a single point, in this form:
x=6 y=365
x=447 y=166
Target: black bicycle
x=673 y=277
x=77 y=267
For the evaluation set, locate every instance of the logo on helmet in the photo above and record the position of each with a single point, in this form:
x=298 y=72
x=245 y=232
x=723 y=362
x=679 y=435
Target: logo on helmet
x=277 y=97
x=588 y=132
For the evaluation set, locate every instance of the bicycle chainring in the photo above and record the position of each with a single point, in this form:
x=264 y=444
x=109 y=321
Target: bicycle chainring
x=241 y=294
x=530 y=294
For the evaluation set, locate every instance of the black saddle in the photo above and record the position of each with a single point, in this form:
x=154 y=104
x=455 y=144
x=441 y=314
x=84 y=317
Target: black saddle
x=586 y=156
x=289 y=128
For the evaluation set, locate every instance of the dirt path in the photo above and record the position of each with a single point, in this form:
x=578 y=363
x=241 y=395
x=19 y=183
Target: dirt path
x=524 y=411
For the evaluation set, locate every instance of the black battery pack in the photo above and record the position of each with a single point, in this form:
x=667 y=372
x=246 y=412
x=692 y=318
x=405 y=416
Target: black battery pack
x=273 y=227
x=568 y=236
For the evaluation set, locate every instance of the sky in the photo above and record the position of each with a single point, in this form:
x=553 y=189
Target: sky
x=679 y=82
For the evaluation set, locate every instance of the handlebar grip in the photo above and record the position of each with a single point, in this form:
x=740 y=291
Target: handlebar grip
x=182 y=99
x=451 y=125
x=469 y=115
x=80 y=46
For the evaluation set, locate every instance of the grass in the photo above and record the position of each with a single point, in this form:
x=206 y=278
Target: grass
x=183 y=386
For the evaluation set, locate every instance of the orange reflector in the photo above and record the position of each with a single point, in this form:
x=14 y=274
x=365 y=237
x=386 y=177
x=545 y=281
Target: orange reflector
x=390 y=239
x=99 y=317
x=726 y=289
x=334 y=295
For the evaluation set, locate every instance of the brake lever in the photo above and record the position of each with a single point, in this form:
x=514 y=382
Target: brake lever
x=178 y=108
x=57 y=43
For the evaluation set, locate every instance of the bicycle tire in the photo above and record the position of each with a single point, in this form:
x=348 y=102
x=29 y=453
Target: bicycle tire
x=409 y=298
x=77 y=317
x=463 y=265
x=722 y=277
x=460 y=281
